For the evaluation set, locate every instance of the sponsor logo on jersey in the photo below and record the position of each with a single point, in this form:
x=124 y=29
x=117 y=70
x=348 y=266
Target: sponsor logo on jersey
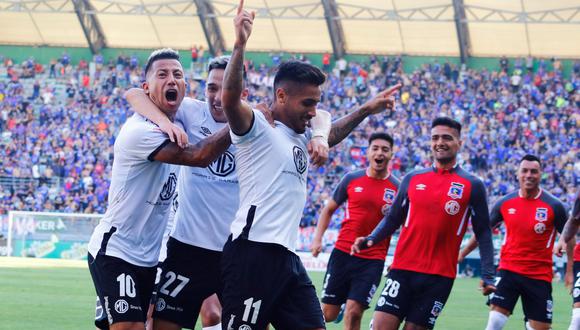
x=358 y=189
x=452 y=207
x=205 y=131
x=389 y=196
x=540 y=228
x=169 y=187
x=456 y=190
x=160 y=305
x=511 y=211
x=121 y=306
x=175 y=203
x=541 y=214
x=420 y=186
x=224 y=165
x=300 y=159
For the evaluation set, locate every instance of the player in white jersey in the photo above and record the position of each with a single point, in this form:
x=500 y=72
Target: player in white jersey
x=204 y=217
x=124 y=247
x=264 y=280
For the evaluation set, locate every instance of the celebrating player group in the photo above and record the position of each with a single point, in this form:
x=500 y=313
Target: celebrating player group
x=241 y=173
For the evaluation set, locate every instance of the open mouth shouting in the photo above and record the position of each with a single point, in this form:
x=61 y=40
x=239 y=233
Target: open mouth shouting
x=171 y=96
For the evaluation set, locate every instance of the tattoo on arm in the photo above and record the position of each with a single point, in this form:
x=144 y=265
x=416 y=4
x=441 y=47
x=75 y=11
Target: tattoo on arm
x=342 y=127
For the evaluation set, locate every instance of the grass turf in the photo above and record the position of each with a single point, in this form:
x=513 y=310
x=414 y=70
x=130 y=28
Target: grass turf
x=56 y=297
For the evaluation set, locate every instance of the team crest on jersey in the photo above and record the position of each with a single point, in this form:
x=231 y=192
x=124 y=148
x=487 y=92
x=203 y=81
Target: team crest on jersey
x=389 y=196
x=452 y=207
x=224 y=165
x=540 y=228
x=437 y=308
x=169 y=187
x=300 y=159
x=541 y=214
x=205 y=131
x=456 y=190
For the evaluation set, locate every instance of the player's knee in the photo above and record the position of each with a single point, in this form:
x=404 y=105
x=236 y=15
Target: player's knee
x=330 y=312
x=127 y=326
x=354 y=311
x=211 y=312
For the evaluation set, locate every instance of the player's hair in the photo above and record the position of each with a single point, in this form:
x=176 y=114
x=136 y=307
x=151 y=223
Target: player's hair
x=446 y=121
x=381 y=136
x=161 y=54
x=221 y=62
x=531 y=158
x=299 y=72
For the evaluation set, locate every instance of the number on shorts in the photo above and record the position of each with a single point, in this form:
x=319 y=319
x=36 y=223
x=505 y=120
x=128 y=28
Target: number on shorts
x=391 y=288
x=497 y=279
x=126 y=286
x=577 y=283
x=249 y=303
x=171 y=277
x=326 y=281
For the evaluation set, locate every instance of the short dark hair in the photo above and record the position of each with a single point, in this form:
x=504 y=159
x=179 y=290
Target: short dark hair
x=299 y=72
x=381 y=136
x=220 y=62
x=161 y=54
x=531 y=158
x=446 y=121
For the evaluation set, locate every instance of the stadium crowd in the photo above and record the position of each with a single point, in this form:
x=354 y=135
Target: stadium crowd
x=58 y=124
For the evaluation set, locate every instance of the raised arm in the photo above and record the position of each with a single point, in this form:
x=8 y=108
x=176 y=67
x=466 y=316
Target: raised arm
x=239 y=114
x=141 y=104
x=342 y=127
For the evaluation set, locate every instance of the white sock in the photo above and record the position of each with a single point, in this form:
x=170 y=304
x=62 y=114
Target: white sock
x=496 y=321
x=213 y=327
x=575 y=323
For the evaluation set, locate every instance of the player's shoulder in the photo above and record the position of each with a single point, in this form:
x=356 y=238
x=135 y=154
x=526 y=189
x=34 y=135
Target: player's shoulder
x=137 y=125
x=354 y=175
x=550 y=199
x=395 y=180
x=417 y=172
x=189 y=104
x=510 y=196
x=474 y=179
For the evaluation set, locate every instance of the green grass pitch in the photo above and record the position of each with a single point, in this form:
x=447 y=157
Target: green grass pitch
x=64 y=298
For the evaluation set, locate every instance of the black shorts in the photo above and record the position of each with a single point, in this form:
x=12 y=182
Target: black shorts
x=350 y=277
x=415 y=297
x=536 y=295
x=124 y=289
x=189 y=275
x=265 y=283
x=576 y=289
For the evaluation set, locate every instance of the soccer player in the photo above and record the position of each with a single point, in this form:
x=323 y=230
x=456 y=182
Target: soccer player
x=264 y=280
x=567 y=239
x=124 y=247
x=433 y=206
x=368 y=194
x=204 y=218
x=531 y=216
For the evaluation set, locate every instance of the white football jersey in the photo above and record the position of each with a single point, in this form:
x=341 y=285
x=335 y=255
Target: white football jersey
x=208 y=197
x=272 y=165
x=140 y=196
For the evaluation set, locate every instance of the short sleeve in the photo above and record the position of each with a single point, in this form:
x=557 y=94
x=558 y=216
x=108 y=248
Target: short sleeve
x=257 y=128
x=141 y=139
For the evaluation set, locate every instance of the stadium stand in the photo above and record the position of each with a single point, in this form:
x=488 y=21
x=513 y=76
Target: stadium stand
x=59 y=123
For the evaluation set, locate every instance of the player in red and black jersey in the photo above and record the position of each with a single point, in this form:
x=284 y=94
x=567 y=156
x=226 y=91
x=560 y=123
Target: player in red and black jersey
x=567 y=239
x=368 y=194
x=433 y=206
x=531 y=217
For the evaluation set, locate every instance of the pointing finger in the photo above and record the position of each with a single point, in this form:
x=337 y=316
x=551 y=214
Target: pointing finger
x=393 y=89
x=240 y=6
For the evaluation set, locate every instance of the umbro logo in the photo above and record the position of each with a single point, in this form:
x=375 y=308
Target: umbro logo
x=420 y=186
x=511 y=211
x=358 y=189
